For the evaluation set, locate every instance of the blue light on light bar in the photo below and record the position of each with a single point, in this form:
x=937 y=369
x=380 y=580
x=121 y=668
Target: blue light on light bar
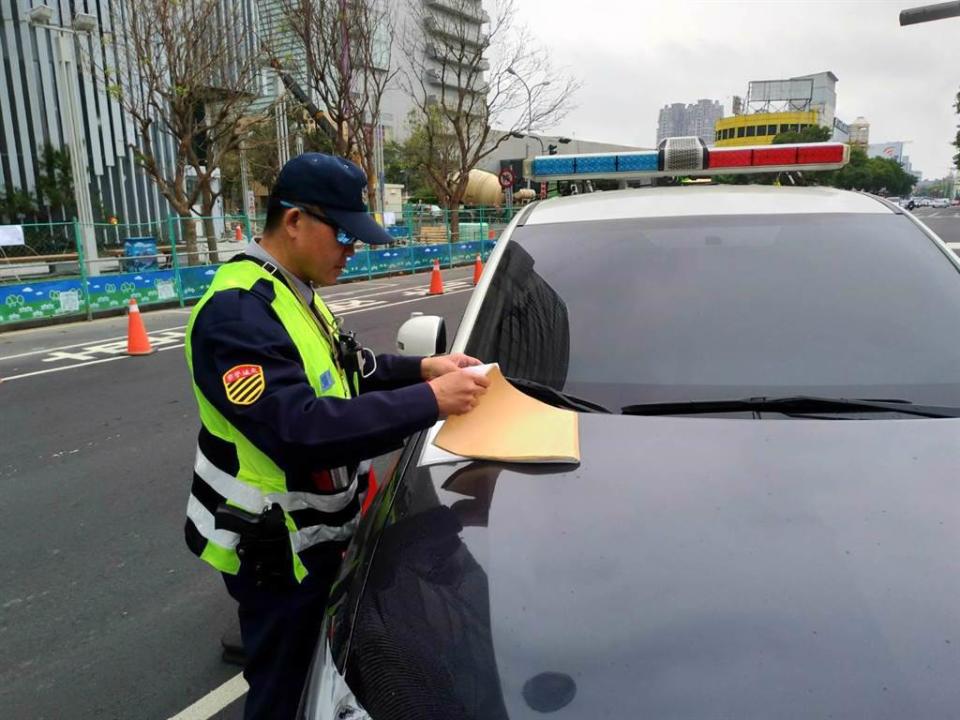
x=638 y=162
x=597 y=164
x=555 y=165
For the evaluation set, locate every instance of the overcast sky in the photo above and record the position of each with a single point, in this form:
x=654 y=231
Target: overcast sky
x=635 y=56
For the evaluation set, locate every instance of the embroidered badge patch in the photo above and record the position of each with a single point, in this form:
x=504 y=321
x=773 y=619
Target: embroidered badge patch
x=326 y=381
x=244 y=384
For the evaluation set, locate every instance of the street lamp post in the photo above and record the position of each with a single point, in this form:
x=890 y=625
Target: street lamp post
x=529 y=105
x=926 y=13
x=83 y=23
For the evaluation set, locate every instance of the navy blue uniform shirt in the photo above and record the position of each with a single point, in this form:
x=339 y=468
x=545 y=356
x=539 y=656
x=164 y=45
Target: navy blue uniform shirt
x=300 y=432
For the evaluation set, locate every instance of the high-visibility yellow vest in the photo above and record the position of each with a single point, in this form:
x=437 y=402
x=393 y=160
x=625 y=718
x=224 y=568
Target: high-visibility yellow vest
x=259 y=482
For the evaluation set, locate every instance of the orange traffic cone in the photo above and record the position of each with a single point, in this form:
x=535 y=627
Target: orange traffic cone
x=477 y=270
x=238 y=233
x=371 y=492
x=436 y=282
x=137 y=341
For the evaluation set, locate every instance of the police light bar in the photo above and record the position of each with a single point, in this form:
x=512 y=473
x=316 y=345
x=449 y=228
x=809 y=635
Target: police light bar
x=688 y=156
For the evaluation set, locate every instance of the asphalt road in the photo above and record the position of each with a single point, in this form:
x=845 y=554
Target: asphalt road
x=103 y=611
x=945 y=222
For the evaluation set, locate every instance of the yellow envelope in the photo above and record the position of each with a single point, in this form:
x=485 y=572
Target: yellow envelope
x=510 y=426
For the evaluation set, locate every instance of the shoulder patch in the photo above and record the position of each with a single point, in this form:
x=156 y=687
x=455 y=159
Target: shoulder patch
x=326 y=381
x=244 y=384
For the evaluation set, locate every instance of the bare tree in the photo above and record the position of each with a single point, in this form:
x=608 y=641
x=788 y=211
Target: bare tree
x=346 y=46
x=468 y=71
x=187 y=73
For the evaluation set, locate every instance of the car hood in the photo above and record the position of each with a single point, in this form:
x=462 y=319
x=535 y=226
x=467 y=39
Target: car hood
x=687 y=567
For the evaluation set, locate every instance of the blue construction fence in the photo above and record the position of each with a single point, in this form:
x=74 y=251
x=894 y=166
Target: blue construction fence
x=149 y=262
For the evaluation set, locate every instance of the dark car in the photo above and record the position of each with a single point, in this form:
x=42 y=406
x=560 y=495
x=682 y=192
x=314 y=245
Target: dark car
x=765 y=521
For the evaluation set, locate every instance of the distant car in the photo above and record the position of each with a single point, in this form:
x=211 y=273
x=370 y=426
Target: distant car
x=907 y=203
x=940 y=203
x=424 y=209
x=763 y=522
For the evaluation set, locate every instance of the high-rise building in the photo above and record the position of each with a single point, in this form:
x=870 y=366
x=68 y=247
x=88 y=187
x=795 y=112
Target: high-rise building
x=451 y=30
x=429 y=25
x=47 y=77
x=42 y=67
x=777 y=106
x=860 y=132
x=687 y=120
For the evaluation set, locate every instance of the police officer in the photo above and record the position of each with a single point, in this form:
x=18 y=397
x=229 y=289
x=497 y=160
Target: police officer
x=290 y=407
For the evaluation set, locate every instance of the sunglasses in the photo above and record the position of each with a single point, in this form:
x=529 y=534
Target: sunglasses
x=342 y=237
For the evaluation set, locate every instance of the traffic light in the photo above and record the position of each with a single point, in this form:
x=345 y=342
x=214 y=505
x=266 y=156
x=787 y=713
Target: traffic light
x=551 y=149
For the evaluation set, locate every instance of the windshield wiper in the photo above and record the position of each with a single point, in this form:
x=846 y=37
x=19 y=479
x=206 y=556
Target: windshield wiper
x=797 y=404
x=554 y=396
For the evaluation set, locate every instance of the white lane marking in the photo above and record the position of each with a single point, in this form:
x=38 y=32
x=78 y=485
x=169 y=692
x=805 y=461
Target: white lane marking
x=215 y=701
x=404 y=302
x=58 y=369
x=174 y=347
x=358 y=289
x=384 y=292
x=447 y=286
x=81 y=344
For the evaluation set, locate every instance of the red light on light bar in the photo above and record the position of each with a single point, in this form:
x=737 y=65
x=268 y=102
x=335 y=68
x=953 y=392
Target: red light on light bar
x=820 y=154
x=775 y=156
x=730 y=158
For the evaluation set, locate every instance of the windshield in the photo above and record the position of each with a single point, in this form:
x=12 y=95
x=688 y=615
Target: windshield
x=713 y=308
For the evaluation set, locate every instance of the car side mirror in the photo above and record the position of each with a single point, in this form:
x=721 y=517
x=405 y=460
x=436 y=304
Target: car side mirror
x=422 y=335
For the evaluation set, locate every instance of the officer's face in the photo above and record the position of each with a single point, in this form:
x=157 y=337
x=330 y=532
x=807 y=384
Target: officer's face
x=317 y=256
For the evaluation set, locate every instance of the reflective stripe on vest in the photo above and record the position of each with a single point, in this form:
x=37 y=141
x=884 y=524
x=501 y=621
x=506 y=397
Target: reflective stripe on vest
x=206 y=524
x=250 y=499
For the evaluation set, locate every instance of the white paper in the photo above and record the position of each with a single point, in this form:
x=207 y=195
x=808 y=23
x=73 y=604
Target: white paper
x=11 y=235
x=69 y=301
x=389 y=218
x=165 y=290
x=433 y=455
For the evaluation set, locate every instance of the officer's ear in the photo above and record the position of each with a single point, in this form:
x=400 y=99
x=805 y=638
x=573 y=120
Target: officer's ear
x=292 y=221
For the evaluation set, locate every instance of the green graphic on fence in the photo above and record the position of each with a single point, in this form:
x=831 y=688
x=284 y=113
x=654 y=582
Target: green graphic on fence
x=61 y=282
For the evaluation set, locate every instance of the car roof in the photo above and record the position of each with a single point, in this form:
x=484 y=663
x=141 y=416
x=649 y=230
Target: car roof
x=690 y=200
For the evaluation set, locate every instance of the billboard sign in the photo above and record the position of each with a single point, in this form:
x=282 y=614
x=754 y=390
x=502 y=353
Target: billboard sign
x=780 y=90
x=889 y=150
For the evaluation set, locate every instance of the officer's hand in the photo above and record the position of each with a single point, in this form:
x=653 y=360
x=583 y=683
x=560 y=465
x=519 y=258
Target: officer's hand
x=434 y=367
x=458 y=392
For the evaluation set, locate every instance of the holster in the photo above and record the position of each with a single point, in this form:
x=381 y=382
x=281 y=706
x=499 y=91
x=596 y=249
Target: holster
x=264 y=545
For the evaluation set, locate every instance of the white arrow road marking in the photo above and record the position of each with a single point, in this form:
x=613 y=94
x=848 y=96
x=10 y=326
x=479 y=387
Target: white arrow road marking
x=117 y=347
x=353 y=304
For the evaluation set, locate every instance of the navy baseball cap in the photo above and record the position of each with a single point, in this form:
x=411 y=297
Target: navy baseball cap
x=334 y=185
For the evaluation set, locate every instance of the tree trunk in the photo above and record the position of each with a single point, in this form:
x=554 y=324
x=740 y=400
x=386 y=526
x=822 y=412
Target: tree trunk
x=185 y=229
x=455 y=222
x=209 y=230
x=189 y=231
x=373 y=197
